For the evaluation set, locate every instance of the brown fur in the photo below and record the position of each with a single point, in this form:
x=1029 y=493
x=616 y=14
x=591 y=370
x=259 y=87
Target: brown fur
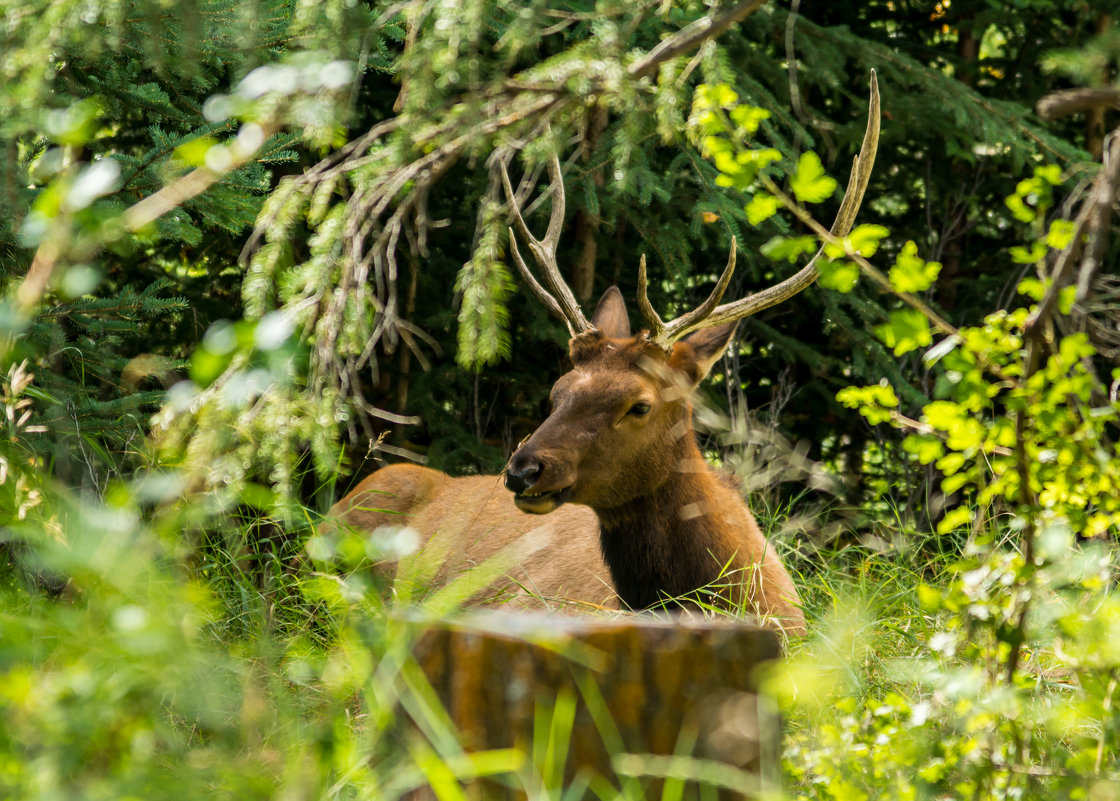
x=469 y=520
x=664 y=523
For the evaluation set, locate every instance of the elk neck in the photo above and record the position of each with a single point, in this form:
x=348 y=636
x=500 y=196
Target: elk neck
x=671 y=540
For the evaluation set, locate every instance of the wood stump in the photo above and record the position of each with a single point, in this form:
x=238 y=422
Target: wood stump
x=632 y=701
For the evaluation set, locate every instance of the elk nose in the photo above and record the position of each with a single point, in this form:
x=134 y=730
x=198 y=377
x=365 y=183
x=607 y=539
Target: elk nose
x=522 y=473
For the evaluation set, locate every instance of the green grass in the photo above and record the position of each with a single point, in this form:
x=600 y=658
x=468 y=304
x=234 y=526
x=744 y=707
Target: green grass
x=243 y=667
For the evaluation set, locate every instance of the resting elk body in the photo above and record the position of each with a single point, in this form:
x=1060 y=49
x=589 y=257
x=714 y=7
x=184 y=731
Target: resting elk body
x=609 y=503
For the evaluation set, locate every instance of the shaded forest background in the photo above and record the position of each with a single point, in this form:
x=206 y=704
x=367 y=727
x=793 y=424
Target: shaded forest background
x=405 y=332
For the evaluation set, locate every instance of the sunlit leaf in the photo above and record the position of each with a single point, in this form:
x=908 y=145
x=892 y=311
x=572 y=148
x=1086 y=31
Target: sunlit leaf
x=906 y=330
x=910 y=273
x=762 y=207
x=748 y=117
x=788 y=248
x=1060 y=234
x=865 y=239
x=839 y=275
x=810 y=183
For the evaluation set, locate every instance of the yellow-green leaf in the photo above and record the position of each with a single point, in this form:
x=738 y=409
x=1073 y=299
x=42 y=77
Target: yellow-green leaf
x=763 y=206
x=810 y=183
x=906 y=330
x=839 y=275
x=911 y=273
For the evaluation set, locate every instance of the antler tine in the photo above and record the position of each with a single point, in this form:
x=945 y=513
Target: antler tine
x=558 y=298
x=845 y=218
x=666 y=333
x=653 y=320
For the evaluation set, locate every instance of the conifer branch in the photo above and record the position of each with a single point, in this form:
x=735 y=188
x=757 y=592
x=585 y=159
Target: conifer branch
x=692 y=36
x=146 y=211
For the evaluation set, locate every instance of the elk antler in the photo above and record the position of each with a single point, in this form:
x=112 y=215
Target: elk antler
x=560 y=301
x=708 y=314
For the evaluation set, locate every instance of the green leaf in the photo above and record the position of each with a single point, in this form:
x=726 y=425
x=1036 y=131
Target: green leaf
x=911 y=273
x=929 y=597
x=1033 y=288
x=1019 y=209
x=906 y=330
x=864 y=240
x=763 y=206
x=810 y=183
x=1060 y=234
x=788 y=248
x=951 y=463
x=711 y=145
x=926 y=447
x=748 y=117
x=954 y=519
x=714 y=95
x=1066 y=298
x=874 y=402
x=839 y=275
x=762 y=156
x=1022 y=255
x=193 y=153
x=727 y=163
x=1051 y=173
x=206 y=366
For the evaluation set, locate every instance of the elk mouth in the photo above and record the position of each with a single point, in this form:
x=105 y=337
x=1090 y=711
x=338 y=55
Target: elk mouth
x=541 y=503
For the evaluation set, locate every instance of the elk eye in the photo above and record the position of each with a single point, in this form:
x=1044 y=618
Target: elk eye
x=639 y=409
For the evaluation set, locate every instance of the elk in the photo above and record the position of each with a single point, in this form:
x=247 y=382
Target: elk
x=609 y=503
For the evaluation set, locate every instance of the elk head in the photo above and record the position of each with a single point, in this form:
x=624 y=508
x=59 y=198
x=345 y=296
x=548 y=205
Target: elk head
x=621 y=418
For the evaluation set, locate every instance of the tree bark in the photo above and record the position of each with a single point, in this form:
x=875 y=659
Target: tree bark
x=648 y=697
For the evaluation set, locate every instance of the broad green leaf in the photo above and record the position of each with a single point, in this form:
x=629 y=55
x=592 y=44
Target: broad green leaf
x=810 y=183
x=906 y=330
x=954 y=519
x=943 y=415
x=864 y=240
x=710 y=145
x=1022 y=255
x=1033 y=288
x=1051 y=174
x=714 y=95
x=839 y=275
x=788 y=248
x=740 y=169
x=874 y=402
x=911 y=273
x=763 y=156
x=763 y=206
x=1066 y=298
x=951 y=463
x=951 y=484
x=1019 y=209
x=727 y=163
x=929 y=597
x=748 y=117
x=193 y=153
x=1060 y=234
x=925 y=446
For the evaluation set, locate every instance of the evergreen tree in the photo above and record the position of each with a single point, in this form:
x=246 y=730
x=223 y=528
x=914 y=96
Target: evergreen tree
x=105 y=104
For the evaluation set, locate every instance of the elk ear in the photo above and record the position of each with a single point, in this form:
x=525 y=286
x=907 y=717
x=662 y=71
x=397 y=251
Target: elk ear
x=610 y=315
x=707 y=346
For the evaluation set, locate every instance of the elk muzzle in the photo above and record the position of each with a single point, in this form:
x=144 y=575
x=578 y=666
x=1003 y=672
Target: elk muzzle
x=526 y=478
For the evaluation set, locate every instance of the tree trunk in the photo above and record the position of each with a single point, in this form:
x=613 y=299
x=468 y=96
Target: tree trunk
x=634 y=691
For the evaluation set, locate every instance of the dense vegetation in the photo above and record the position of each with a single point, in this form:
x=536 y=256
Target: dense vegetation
x=249 y=250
